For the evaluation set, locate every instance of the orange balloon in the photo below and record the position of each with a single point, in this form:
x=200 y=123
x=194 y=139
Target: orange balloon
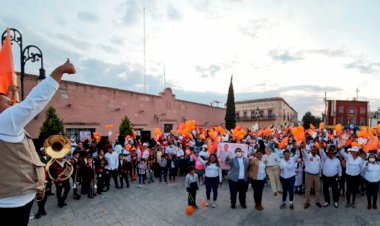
x=203 y=203
x=189 y=210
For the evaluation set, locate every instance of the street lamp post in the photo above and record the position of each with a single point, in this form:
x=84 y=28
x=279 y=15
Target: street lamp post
x=30 y=52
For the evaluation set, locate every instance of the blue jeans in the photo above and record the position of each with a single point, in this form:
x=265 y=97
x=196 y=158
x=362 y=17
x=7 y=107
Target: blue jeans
x=164 y=172
x=141 y=178
x=287 y=186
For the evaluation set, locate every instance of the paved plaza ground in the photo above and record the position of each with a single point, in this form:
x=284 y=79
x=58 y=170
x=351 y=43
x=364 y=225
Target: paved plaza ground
x=164 y=204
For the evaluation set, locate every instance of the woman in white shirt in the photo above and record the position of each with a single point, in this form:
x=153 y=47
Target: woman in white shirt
x=257 y=175
x=287 y=177
x=353 y=168
x=272 y=162
x=213 y=177
x=371 y=173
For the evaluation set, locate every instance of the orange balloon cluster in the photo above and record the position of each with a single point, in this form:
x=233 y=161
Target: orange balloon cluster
x=238 y=134
x=97 y=136
x=284 y=142
x=157 y=133
x=298 y=134
x=185 y=129
x=362 y=133
x=338 y=129
x=211 y=134
x=220 y=130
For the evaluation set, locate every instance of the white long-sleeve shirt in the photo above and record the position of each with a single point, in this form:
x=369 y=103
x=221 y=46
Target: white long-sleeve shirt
x=13 y=121
x=212 y=170
x=271 y=160
x=112 y=160
x=288 y=168
x=372 y=172
x=312 y=163
x=353 y=166
x=330 y=167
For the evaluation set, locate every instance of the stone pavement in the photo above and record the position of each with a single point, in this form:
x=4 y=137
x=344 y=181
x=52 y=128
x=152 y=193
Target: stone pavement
x=164 y=204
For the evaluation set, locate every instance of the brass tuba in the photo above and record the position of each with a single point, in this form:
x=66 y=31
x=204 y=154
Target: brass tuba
x=58 y=146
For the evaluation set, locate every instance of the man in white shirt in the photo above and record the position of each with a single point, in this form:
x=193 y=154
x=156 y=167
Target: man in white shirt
x=17 y=194
x=331 y=172
x=118 y=148
x=312 y=175
x=170 y=149
x=112 y=166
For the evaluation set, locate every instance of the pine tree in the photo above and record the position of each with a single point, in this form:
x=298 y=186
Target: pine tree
x=125 y=127
x=230 y=118
x=52 y=125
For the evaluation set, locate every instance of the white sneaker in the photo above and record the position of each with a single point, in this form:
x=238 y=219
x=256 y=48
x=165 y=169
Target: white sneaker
x=139 y=185
x=213 y=205
x=326 y=204
x=208 y=203
x=336 y=205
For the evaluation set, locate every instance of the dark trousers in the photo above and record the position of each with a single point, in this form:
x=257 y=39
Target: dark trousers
x=172 y=173
x=333 y=183
x=372 y=190
x=86 y=186
x=212 y=183
x=65 y=188
x=258 y=187
x=18 y=216
x=182 y=166
x=100 y=183
x=240 y=186
x=41 y=205
x=129 y=166
x=353 y=183
x=287 y=187
x=164 y=173
x=124 y=177
x=191 y=197
x=113 y=174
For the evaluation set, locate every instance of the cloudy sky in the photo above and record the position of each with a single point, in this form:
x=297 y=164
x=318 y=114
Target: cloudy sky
x=294 y=49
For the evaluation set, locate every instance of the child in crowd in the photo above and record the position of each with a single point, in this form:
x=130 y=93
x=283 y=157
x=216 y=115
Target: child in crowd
x=173 y=167
x=142 y=168
x=191 y=184
x=163 y=162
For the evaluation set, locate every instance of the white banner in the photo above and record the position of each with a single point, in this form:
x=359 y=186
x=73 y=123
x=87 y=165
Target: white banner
x=228 y=149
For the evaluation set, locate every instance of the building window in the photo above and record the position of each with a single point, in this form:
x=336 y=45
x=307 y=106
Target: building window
x=79 y=134
x=362 y=110
x=341 y=120
x=270 y=114
x=351 y=120
x=351 y=111
x=341 y=109
x=253 y=114
x=362 y=121
x=237 y=115
x=261 y=114
x=168 y=128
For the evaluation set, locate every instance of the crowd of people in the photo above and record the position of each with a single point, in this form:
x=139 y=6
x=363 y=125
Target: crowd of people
x=315 y=164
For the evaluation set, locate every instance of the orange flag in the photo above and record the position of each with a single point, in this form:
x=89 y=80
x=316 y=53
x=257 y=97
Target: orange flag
x=7 y=71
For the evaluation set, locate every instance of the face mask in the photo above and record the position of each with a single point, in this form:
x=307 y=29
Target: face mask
x=372 y=160
x=239 y=154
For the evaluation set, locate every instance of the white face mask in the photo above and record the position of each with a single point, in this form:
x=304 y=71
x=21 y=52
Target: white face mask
x=372 y=160
x=239 y=154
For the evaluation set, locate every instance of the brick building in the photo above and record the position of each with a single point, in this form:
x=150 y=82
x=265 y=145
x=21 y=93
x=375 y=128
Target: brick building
x=347 y=112
x=85 y=108
x=264 y=112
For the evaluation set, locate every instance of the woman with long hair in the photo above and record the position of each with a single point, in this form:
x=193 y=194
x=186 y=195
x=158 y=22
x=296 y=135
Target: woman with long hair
x=213 y=177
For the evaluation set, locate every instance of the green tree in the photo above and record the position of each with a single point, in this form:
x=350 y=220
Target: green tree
x=309 y=118
x=52 y=125
x=230 y=118
x=125 y=127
